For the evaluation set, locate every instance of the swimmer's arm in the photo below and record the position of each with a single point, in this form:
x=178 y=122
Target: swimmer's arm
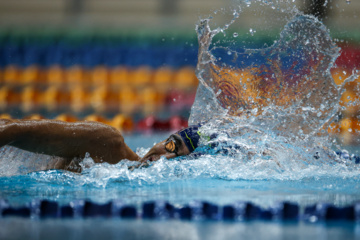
x=67 y=140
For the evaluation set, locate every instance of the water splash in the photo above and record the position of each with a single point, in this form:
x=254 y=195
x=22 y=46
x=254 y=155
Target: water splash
x=287 y=87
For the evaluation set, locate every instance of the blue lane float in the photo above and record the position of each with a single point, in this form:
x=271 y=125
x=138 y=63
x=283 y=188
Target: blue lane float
x=324 y=212
x=194 y=211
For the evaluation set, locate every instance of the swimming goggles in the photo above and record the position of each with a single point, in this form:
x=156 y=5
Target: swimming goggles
x=171 y=145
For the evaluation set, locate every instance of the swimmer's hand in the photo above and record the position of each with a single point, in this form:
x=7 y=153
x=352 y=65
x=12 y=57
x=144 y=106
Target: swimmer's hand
x=140 y=165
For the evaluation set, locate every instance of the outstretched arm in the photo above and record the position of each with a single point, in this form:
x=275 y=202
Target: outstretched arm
x=67 y=140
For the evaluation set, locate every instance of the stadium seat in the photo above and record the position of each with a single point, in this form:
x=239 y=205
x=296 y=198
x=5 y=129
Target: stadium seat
x=34 y=116
x=5 y=116
x=79 y=98
x=55 y=75
x=119 y=76
x=31 y=75
x=101 y=99
x=30 y=99
x=149 y=101
x=99 y=76
x=66 y=118
x=11 y=74
x=128 y=100
x=76 y=75
x=54 y=98
x=96 y=118
x=340 y=74
x=185 y=78
x=140 y=76
x=122 y=123
x=163 y=78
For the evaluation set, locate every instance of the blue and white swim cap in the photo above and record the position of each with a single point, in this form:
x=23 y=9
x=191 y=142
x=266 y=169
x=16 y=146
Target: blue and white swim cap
x=190 y=136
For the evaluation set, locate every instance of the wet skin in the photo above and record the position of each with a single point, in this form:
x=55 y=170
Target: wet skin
x=160 y=149
x=71 y=141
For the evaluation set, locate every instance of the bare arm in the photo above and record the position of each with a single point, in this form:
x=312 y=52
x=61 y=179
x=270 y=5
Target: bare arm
x=66 y=140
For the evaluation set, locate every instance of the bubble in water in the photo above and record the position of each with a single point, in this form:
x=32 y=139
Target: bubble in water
x=348 y=1
x=235 y=34
x=229 y=53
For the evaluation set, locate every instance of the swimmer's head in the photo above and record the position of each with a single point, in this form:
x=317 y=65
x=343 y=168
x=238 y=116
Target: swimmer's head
x=180 y=143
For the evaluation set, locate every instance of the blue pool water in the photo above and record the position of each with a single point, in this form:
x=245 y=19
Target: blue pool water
x=64 y=187
x=133 y=229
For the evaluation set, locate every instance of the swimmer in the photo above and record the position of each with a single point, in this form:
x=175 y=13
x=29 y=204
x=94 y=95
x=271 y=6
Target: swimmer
x=70 y=142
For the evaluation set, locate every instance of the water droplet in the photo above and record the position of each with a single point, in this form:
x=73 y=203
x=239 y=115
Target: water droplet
x=174 y=99
x=235 y=34
x=252 y=31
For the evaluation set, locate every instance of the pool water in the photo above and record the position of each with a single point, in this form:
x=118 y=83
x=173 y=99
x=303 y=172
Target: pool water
x=64 y=187
x=135 y=229
x=217 y=179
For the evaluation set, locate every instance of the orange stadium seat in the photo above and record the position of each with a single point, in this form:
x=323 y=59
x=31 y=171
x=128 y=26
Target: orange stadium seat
x=119 y=76
x=5 y=116
x=141 y=76
x=55 y=75
x=76 y=75
x=149 y=101
x=349 y=128
x=31 y=74
x=162 y=78
x=11 y=74
x=128 y=100
x=99 y=76
x=345 y=125
x=122 y=123
x=96 y=118
x=4 y=91
x=351 y=98
x=334 y=128
x=9 y=97
x=185 y=78
x=34 y=116
x=79 y=98
x=340 y=74
x=66 y=118
x=30 y=99
x=54 y=97
x=102 y=99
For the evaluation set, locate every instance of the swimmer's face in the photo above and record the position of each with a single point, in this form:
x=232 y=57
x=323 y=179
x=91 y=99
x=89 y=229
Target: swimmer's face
x=170 y=148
